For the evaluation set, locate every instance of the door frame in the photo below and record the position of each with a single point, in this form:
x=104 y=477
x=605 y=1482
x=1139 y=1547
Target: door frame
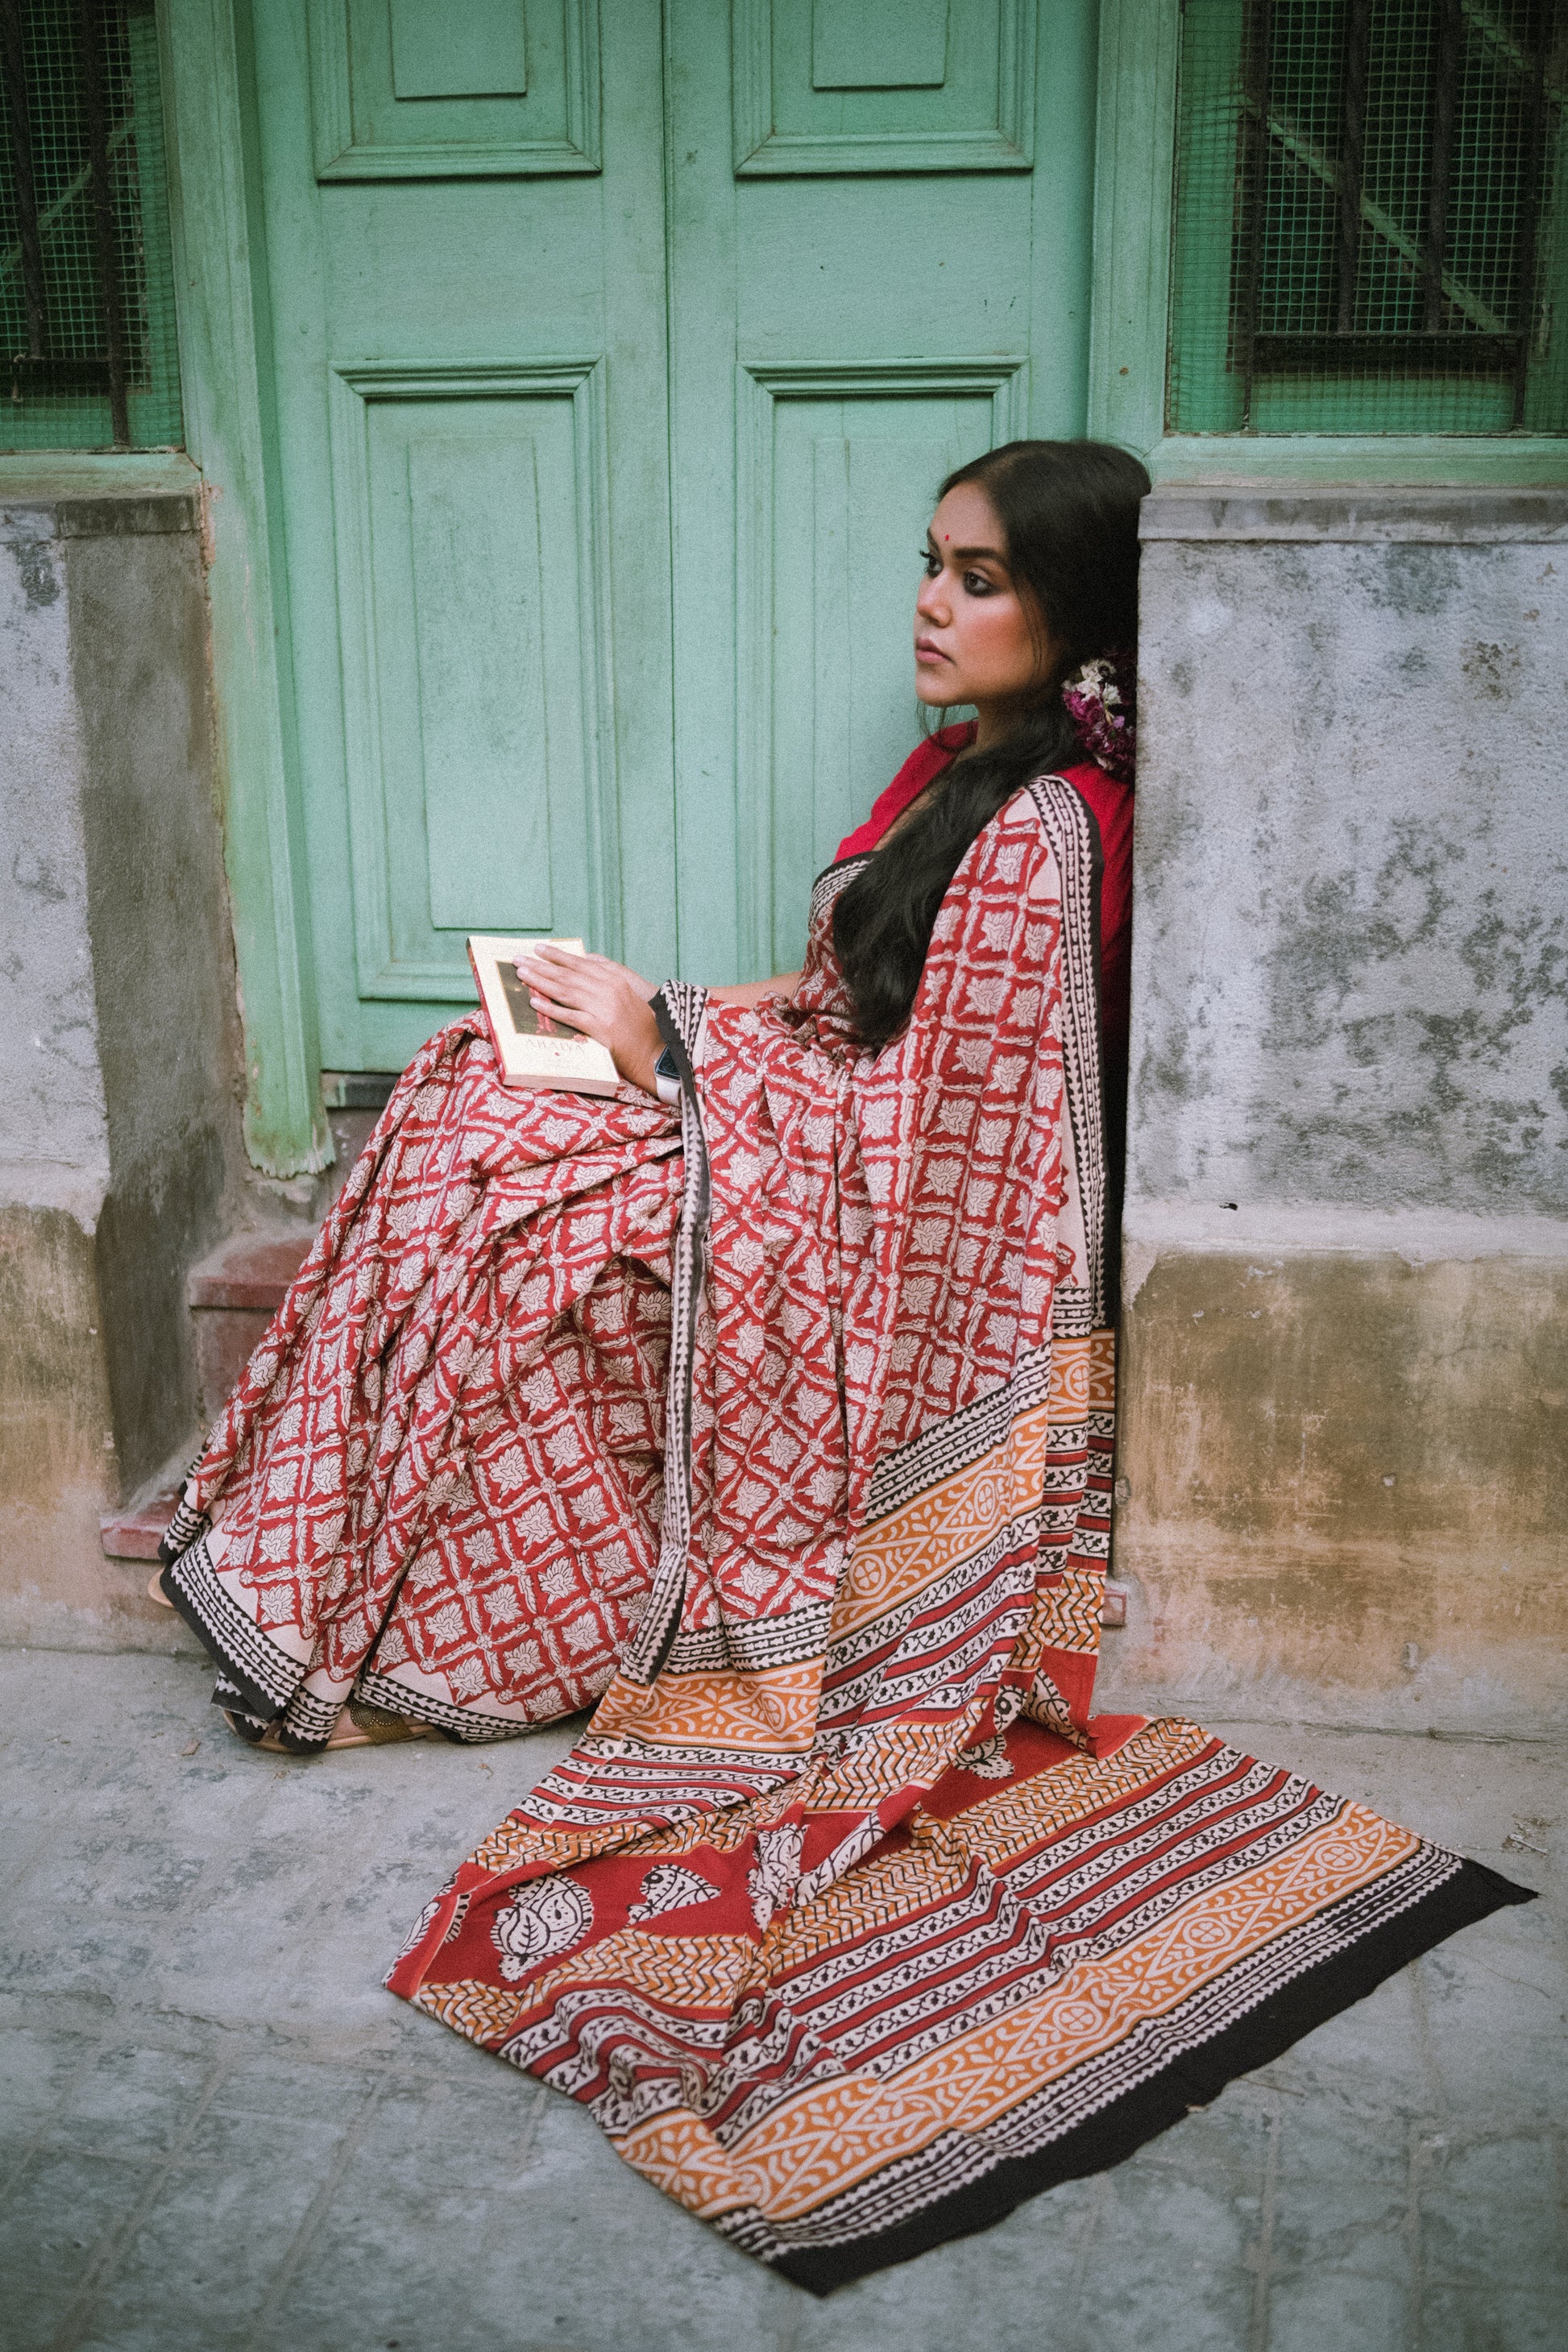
x=226 y=359
x=226 y=370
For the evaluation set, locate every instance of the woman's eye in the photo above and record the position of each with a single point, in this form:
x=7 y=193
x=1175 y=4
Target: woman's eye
x=975 y=583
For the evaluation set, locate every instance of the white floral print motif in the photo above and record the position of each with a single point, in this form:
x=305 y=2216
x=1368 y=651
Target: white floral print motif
x=547 y=1917
x=423 y=1924
x=773 y=1878
x=988 y=1762
x=669 y=1888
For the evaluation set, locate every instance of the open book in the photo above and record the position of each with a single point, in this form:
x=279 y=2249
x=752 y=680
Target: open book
x=533 y=1051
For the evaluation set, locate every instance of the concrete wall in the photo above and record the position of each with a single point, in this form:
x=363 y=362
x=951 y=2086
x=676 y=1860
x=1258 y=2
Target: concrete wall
x=119 y=1154
x=1344 y=1480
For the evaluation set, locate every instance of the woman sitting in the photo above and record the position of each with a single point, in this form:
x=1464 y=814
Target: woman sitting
x=435 y=1501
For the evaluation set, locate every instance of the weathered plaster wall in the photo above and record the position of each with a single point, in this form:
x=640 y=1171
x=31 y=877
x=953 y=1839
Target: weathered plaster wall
x=54 y=1134
x=1346 y=1346
x=119 y=1136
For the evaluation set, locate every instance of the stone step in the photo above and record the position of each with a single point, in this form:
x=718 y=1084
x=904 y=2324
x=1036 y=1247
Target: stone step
x=233 y=1294
x=250 y=1272
x=133 y=1533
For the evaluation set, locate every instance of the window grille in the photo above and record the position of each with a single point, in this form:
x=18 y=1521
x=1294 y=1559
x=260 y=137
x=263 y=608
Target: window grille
x=1370 y=228
x=87 y=296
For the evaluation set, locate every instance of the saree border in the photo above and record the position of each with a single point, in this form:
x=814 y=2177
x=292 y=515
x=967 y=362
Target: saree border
x=679 y=1008
x=1073 y=832
x=1316 y=1989
x=264 y=1674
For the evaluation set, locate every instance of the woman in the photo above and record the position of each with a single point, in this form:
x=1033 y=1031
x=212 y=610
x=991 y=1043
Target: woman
x=846 y=1918
x=433 y=1503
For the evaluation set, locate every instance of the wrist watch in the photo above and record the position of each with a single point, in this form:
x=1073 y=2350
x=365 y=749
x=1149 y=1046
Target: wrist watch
x=666 y=1078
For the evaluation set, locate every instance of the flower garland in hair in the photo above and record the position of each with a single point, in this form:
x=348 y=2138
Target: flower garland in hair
x=1101 y=701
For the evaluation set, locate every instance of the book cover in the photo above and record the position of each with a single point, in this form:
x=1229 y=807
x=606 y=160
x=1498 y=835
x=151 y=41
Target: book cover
x=533 y=1051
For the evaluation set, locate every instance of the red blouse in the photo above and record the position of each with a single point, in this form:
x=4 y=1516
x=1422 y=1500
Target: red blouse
x=1112 y=805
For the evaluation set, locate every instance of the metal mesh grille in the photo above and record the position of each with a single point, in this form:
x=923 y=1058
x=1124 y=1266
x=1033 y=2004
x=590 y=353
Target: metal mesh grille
x=87 y=299
x=1370 y=232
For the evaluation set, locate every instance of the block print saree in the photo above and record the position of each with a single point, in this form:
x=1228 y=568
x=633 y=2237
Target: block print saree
x=847 y=1917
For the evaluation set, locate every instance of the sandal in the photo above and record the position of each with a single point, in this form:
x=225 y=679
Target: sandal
x=358 y=1726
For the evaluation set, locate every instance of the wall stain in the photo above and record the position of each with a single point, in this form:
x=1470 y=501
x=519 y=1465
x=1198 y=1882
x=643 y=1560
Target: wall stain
x=35 y=568
x=36 y=876
x=1490 y=667
x=1415 y=579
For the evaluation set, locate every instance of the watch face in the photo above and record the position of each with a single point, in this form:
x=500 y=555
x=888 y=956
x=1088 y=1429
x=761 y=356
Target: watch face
x=665 y=1066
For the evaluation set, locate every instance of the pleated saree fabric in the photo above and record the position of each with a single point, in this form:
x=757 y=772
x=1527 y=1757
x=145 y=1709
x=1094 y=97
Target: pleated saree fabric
x=847 y=1917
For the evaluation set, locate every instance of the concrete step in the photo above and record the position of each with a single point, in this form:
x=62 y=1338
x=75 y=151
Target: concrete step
x=133 y=1533
x=233 y=1294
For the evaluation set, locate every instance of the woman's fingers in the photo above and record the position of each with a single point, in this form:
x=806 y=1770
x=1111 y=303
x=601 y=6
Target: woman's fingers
x=570 y=973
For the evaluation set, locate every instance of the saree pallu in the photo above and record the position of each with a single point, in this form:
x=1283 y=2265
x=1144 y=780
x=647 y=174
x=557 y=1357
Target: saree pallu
x=848 y=1918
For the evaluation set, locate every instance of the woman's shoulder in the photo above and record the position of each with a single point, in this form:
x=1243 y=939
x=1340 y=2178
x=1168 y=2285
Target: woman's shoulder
x=1109 y=797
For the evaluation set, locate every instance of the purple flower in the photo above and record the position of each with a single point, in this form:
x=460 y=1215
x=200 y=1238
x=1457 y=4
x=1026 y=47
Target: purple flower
x=1101 y=701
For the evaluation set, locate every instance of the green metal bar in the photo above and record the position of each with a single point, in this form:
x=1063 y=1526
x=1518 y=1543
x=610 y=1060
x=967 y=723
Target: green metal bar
x=1532 y=192
x=1255 y=191
x=105 y=247
x=1353 y=140
x=30 y=244
x=1313 y=159
x=1440 y=169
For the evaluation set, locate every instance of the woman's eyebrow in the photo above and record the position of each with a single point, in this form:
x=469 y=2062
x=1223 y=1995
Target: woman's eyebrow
x=967 y=554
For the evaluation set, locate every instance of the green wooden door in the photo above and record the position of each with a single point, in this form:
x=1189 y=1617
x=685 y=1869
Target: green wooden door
x=617 y=354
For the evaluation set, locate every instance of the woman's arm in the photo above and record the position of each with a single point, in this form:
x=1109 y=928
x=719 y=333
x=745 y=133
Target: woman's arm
x=758 y=991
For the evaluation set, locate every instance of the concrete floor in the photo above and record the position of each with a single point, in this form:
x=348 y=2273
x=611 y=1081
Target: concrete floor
x=220 y=2131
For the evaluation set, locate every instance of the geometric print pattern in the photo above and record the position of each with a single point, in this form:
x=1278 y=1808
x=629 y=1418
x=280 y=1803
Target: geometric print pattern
x=437 y=1485
x=859 y=1924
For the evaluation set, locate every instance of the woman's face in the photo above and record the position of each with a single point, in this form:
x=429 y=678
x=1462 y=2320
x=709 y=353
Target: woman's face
x=973 y=642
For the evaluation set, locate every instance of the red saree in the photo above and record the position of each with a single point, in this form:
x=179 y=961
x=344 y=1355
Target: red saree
x=435 y=1493
x=847 y=1917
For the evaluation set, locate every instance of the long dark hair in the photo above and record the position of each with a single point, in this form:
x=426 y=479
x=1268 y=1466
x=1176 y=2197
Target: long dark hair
x=1070 y=513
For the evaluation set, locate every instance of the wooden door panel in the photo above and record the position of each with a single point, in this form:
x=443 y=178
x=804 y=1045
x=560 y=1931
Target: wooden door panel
x=470 y=527
x=469 y=377
x=565 y=598
x=479 y=51
x=855 y=86
x=870 y=279
x=414 y=89
x=844 y=464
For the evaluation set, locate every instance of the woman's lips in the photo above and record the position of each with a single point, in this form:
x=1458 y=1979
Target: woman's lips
x=926 y=651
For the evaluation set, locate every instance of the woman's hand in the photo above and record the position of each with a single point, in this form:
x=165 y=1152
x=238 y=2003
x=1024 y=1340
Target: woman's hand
x=602 y=998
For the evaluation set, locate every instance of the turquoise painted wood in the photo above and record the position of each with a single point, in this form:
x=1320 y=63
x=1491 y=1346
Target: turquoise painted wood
x=872 y=278
x=617 y=355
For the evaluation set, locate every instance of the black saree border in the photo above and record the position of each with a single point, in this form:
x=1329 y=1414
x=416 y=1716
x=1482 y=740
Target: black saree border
x=679 y=1008
x=1469 y=1894
x=190 y=1584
